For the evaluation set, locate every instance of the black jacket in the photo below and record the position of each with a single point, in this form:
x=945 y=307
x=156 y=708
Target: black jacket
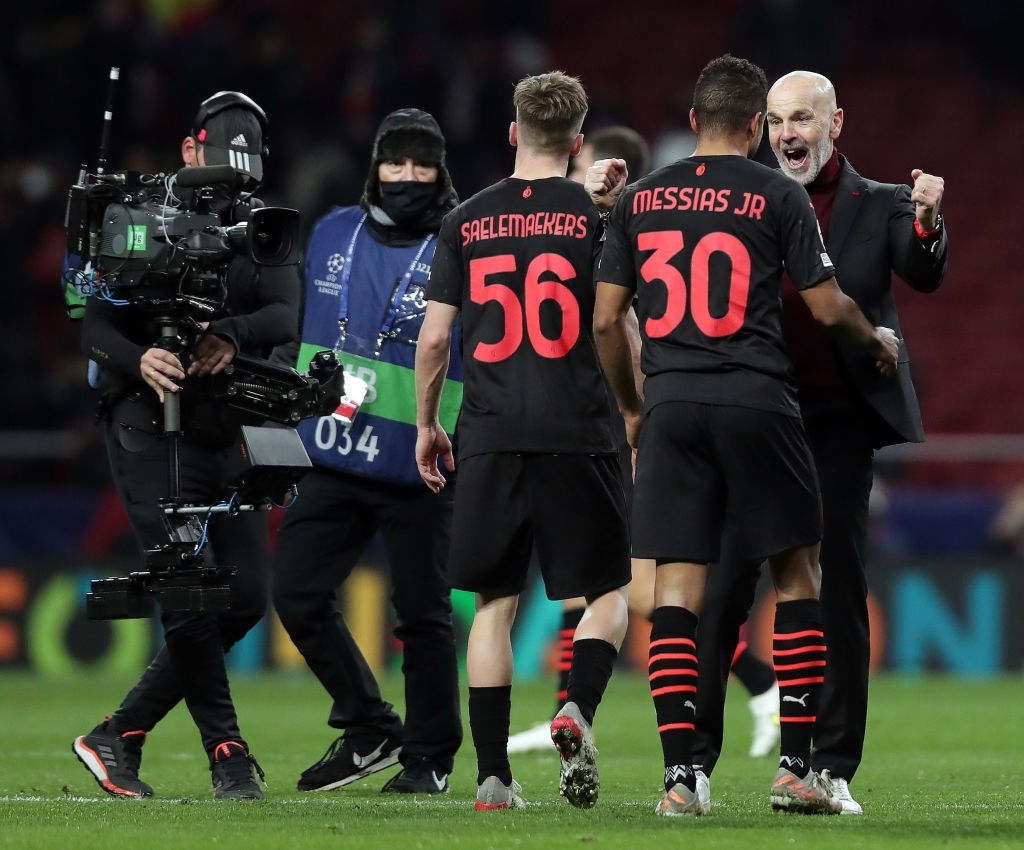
x=871 y=236
x=261 y=310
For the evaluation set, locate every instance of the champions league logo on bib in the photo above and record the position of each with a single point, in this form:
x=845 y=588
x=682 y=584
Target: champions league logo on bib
x=329 y=283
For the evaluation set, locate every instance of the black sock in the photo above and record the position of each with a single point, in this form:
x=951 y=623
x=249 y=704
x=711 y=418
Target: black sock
x=570 y=620
x=489 y=718
x=757 y=676
x=592 y=663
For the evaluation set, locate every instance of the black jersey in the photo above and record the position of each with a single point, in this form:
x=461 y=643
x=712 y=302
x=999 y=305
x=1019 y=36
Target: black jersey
x=517 y=259
x=704 y=242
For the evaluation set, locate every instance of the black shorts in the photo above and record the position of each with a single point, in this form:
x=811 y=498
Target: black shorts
x=625 y=457
x=570 y=506
x=704 y=468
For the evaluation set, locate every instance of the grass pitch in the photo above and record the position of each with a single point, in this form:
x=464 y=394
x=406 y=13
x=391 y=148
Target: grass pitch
x=944 y=767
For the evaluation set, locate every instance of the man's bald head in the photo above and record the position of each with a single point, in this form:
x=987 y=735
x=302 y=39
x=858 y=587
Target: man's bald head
x=816 y=87
x=803 y=122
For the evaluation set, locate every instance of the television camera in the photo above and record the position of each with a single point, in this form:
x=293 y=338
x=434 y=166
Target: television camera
x=163 y=244
x=154 y=240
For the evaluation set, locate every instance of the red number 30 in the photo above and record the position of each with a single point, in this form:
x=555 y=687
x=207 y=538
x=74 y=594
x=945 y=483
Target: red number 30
x=545 y=281
x=666 y=244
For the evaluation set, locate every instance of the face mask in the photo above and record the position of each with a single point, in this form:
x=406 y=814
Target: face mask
x=407 y=201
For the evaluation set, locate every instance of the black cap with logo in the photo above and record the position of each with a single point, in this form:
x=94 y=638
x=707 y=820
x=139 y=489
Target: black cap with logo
x=231 y=127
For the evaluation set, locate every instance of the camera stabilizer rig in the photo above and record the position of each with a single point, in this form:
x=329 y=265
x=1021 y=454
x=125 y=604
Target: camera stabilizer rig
x=156 y=243
x=176 y=577
x=263 y=463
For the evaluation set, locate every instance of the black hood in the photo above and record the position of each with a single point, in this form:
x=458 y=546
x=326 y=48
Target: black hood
x=410 y=132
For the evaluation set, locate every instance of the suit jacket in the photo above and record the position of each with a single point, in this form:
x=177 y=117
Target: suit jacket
x=871 y=236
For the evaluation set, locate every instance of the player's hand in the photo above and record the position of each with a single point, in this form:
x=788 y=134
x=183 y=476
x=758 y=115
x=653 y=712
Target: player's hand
x=927 y=197
x=431 y=443
x=886 y=363
x=161 y=370
x=604 y=182
x=211 y=355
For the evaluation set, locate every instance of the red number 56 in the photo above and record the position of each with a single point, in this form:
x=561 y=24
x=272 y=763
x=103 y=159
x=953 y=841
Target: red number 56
x=545 y=281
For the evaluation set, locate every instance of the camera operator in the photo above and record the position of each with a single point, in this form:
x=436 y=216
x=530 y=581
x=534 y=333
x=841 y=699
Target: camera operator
x=136 y=374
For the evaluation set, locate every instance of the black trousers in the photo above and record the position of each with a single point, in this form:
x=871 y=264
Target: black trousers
x=842 y=449
x=318 y=544
x=191 y=663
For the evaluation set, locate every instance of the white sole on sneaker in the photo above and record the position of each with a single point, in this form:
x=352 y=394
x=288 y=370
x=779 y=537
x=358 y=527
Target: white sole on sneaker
x=840 y=789
x=703 y=790
x=93 y=762
x=382 y=764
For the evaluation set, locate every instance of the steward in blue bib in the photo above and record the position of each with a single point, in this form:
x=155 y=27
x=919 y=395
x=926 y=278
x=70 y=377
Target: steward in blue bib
x=365 y=273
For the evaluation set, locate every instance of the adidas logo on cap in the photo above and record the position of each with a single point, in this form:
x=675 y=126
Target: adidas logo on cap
x=239 y=141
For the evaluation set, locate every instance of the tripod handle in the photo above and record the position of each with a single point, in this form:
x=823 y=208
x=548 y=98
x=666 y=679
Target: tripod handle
x=172 y=413
x=172 y=433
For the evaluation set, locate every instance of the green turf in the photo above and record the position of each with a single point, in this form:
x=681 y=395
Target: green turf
x=944 y=767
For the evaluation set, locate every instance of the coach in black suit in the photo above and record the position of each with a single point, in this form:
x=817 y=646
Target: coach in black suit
x=871 y=230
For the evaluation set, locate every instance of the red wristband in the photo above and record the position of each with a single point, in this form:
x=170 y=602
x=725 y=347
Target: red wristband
x=927 y=234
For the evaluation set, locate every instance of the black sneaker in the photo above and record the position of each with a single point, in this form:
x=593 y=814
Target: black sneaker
x=233 y=773
x=419 y=776
x=343 y=763
x=114 y=760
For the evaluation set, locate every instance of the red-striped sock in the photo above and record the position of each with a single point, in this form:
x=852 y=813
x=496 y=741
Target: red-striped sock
x=672 y=672
x=570 y=620
x=798 y=649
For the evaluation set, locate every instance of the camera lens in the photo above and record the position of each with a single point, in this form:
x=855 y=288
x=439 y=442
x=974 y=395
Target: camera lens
x=273 y=232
